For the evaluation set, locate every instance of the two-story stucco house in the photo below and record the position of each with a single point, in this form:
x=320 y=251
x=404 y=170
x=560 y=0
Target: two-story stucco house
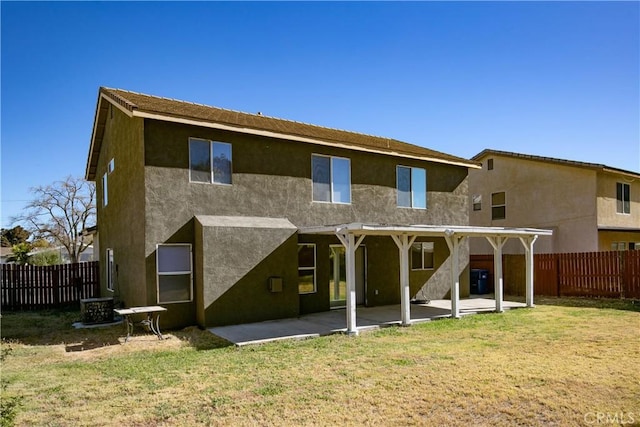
x=590 y=207
x=225 y=217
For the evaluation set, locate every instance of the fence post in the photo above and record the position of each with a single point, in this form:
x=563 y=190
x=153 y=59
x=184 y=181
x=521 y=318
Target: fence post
x=556 y=270
x=55 y=279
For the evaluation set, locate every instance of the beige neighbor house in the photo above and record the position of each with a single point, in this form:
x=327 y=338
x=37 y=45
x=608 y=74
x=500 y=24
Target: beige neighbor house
x=590 y=207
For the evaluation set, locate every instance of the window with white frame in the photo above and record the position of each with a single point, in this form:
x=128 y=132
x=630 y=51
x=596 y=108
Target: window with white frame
x=306 y=268
x=422 y=256
x=623 y=199
x=412 y=187
x=110 y=270
x=105 y=191
x=331 y=178
x=105 y=182
x=209 y=161
x=173 y=264
x=476 y=200
x=498 y=205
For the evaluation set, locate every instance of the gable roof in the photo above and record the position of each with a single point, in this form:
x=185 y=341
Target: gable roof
x=585 y=165
x=153 y=107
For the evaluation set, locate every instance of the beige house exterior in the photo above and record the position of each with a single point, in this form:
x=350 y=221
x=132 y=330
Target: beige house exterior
x=590 y=207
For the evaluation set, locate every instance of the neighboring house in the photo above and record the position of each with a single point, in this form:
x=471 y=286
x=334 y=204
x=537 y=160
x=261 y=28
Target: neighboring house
x=86 y=256
x=590 y=207
x=5 y=253
x=204 y=211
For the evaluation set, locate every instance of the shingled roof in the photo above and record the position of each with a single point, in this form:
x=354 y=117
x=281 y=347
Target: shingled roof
x=154 y=107
x=585 y=165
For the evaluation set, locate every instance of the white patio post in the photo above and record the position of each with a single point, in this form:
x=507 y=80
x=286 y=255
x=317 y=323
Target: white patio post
x=453 y=242
x=497 y=243
x=404 y=243
x=350 y=244
x=528 y=248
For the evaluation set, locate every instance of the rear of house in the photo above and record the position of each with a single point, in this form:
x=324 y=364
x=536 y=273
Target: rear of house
x=200 y=210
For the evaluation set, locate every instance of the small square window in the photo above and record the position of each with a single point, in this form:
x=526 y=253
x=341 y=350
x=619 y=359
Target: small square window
x=422 y=256
x=476 y=201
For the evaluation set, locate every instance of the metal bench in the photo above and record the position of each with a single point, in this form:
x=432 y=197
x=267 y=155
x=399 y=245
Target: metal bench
x=151 y=323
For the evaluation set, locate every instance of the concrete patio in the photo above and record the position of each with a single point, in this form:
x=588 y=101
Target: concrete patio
x=334 y=321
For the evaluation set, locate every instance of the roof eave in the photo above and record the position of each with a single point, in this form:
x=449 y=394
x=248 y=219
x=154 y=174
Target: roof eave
x=99 y=122
x=271 y=134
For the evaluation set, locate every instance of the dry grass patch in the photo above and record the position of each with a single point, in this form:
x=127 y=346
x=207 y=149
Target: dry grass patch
x=551 y=365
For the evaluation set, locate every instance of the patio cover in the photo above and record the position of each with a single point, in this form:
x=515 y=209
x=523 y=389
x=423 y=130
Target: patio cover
x=352 y=234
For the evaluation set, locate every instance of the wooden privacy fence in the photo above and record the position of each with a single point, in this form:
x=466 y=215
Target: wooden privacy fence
x=593 y=274
x=31 y=287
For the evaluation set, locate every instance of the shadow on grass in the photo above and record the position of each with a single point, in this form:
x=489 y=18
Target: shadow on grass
x=584 y=302
x=201 y=339
x=54 y=327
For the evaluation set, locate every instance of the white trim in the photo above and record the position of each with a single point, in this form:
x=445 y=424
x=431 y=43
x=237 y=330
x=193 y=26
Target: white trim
x=279 y=135
x=117 y=104
x=174 y=273
x=423 y=230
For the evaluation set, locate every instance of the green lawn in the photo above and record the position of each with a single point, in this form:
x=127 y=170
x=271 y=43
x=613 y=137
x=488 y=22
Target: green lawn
x=561 y=363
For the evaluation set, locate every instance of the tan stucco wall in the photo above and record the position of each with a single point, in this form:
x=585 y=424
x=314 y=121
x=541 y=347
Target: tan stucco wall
x=121 y=222
x=151 y=201
x=540 y=195
x=272 y=178
x=608 y=217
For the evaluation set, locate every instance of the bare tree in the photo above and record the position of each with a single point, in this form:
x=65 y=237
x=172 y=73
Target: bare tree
x=59 y=212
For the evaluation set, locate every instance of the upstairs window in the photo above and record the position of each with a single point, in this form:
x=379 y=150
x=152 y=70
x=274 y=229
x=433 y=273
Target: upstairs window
x=498 y=205
x=173 y=263
x=476 y=200
x=331 y=178
x=490 y=164
x=209 y=161
x=105 y=182
x=412 y=187
x=623 y=199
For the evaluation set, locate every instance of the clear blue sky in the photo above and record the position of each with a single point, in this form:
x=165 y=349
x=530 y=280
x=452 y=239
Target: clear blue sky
x=546 y=78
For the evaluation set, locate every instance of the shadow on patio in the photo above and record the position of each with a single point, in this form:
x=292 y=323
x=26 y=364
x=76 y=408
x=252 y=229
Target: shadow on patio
x=334 y=321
